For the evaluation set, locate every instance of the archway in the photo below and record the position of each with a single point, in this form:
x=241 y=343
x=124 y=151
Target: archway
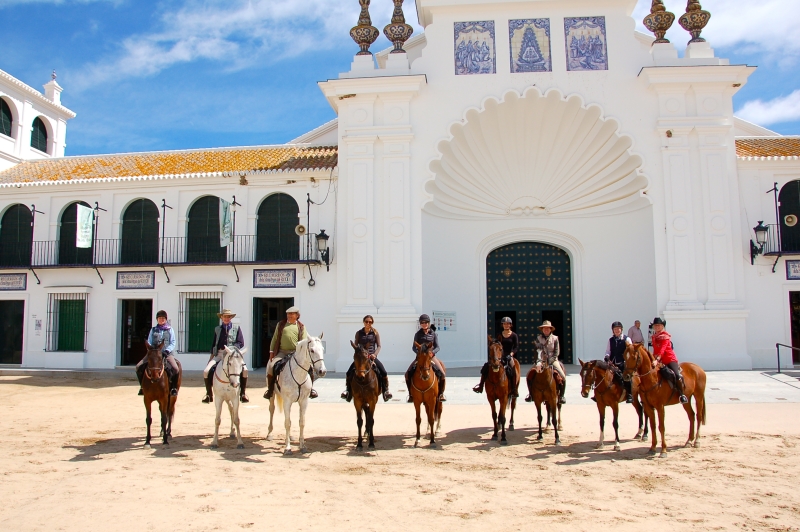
x=16 y=236
x=139 y=242
x=530 y=282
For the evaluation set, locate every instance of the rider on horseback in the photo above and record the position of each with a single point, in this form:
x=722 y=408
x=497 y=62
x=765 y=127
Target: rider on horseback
x=161 y=333
x=226 y=335
x=426 y=333
x=615 y=357
x=663 y=353
x=284 y=344
x=547 y=342
x=510 y=342
x=369 y=338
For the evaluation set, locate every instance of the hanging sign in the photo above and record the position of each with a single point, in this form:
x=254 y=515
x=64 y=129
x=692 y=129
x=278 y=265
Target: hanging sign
x=793 y=270
x=274 y=278
x=225 y=223
x=444 y=320
x=83 y=236
x=13 y=281
x=133 y=280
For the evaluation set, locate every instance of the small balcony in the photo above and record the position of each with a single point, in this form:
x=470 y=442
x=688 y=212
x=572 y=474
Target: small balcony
x=785 y=243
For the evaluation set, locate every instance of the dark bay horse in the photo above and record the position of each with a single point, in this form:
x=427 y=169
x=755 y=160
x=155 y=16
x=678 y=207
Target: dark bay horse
x=425 y=389
x=597 y=375
x=542 y=387
x=498 y=388
x=366 y=389
x=155 y=386
x=657 y=393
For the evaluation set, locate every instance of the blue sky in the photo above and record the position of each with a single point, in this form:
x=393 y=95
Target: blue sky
x=170 y=74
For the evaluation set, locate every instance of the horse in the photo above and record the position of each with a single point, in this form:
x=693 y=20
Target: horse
x=425 y=389
x=155 y=386
x=293 y=385
x=366 y=390
x=498 y=388
x=226 y=390
x=608 y=392
x=657 y=393
x=542 y=388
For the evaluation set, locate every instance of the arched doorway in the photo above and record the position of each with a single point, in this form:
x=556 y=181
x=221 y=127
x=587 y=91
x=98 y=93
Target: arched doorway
x=202 y=242
x=140 y=233
x=276 y=239
x=530 y=282
x=789 y=205
x=16 y=236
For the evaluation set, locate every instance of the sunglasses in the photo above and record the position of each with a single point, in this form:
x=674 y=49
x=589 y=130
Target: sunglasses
x=369 y=321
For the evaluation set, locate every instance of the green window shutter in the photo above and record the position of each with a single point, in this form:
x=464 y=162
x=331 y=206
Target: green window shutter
x=16 y=236
x=68 y=253
x=71 y=324
x=39 y=135
x=202 y=244
x=140 y=233
x=5 y=118
x=202 y=318
x=275 y=236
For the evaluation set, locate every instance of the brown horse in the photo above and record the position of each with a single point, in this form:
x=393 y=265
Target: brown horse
x=609 y=392
x=498 y=388
x=366 y=389
x=155 y=386
x=542 y=388
x=425 y=389
x=657 y=393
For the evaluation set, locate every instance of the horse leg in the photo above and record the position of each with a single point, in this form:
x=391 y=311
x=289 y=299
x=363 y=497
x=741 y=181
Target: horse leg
x=700 y=403
x=558 y=411
x=235 y=415
x=271 y=414
x=615 y=424
x=539 y=417
x=513 y=407
x=661 y=429
x=162 y=406
x=438 y=416
x=502 y=418
x=360 y=423
x=230 y=411
x=149 y=420
x=548 y=414
x=302 y=423
x=494 y=417
x=371 y=422
x=601 y=408
x=689 y=412
x=650 y=412
x=555 y=421
x=419 y=420
x=430 y=409
x=638 y=407
x=287 y=425
x=217 y=420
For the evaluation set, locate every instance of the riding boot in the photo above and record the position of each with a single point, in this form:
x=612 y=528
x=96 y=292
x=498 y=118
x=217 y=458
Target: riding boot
x=512 y=381
x=173 y=385
x=679 y=385
x=561 y=390
x=270 y=387
x=242 y=395
x=313 y=394
x=627 y=385
x=408 y=386
x=479 y=387
x=140 y=376
x=442 y=382
x=209 y=392
x=386 y=393
x=347 y=394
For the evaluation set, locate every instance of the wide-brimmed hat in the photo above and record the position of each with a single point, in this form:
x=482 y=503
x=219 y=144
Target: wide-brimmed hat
x=546 y=323
x=226 y=312
x=293 y=309
x=659 y=321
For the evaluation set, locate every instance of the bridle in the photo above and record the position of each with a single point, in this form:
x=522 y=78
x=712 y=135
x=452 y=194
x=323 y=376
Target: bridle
x=234 y=353
x=159 y=371
x=306 y=370
x=373 y=378
x=427 y=368
x=495 y=367
x=639 y=361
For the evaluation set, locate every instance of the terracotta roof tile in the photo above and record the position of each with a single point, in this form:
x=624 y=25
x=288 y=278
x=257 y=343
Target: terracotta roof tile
x=261 y=159
x=768 y=147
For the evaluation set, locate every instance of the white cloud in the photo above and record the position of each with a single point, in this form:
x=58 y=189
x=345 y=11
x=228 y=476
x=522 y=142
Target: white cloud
x=775 y=111
x=237 y=33
x=765 y=26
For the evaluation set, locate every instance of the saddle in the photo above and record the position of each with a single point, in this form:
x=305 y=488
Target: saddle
x=668 y=375
x=279 y=365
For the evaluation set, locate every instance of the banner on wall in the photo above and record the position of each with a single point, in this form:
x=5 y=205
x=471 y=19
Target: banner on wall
x=83 y=236
x=225 y=223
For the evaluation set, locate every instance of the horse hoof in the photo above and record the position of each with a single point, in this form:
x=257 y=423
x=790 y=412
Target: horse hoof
x=232 y=436
x=359 y=447
x=539 y=438
x=645 y=438
x=240 y=446
x=433 y=445
x=511 y=427
x=416 y=443
x=371 y=447
x=303 y=450
x=147 y=446
x=651 y=451
x=662 y=455
x=503 y=442
x=600 y=446
x=269 y=437
x=696 y=444
x=494 y=437
x=287 y=452
x=558 y=442
x=214 y=446
x=617 y=448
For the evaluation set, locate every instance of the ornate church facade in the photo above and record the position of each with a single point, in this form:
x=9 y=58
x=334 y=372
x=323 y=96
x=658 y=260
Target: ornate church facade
x=535 y=159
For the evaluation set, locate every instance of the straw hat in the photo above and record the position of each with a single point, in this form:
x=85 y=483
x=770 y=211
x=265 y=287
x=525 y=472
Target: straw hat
x=226 y=312
x=546 y=323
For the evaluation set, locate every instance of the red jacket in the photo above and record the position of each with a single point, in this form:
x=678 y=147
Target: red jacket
x=662 y=348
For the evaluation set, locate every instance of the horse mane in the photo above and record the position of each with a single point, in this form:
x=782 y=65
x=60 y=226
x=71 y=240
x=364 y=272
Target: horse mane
x=602 y=364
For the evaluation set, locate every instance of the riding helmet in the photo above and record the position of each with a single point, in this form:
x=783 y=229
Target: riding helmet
x=659 y=321
x=161 y=314
x=506 y=320
x=424 y=318
x=616 y=324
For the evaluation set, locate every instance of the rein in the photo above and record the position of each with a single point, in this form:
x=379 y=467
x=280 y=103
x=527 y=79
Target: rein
x=225 y=369
x=306 y=370
x=435 y=380
x=369 y=383
x=639 y=360
x=160 y=372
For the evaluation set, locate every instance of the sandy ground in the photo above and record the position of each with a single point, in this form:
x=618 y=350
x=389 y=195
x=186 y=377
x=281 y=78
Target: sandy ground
x=72 y=458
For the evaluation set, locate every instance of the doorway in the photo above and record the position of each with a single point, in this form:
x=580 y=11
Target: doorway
x=535 y=280
x=12 y=317
x=794 y=309
x=267 y=313
x=137 y=320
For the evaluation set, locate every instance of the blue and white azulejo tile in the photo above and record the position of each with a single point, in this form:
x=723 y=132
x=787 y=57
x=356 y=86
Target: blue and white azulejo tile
x=586 y=43
x=529 y=42
x=474 y=47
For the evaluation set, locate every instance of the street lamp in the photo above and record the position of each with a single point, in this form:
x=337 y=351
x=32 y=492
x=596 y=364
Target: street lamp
x=757 y=247
x=322 y=246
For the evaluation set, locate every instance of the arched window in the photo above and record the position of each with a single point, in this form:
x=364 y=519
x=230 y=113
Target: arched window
x=202 y=242
x=16 y=237
x=789 y=200
x=68 y=252
x=140 y=233
x=6 y=118
x=275 y=236
x=39 y=135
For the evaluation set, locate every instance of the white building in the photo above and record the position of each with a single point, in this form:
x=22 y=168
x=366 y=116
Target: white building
x=538 y=159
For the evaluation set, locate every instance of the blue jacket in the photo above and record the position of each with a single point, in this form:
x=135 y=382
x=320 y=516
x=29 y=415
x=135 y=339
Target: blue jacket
x=167 y=335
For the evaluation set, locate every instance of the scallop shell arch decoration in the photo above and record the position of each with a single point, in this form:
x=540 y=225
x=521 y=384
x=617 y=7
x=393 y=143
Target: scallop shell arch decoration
x=535 y=154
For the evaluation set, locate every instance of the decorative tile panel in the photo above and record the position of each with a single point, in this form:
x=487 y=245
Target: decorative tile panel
x=529 y=42
x=586 y=43
x=474 y=47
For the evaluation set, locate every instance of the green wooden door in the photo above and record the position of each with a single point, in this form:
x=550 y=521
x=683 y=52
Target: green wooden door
x=71 y=325
x=530 y=282
x=200 y=324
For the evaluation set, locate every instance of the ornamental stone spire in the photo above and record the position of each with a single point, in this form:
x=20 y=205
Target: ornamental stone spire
x=659 y=21
x=694 y=20
x=364 y=34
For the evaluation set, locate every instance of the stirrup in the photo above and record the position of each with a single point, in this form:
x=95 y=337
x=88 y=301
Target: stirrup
x=442 y=398
x=528 y=398
x=683 y=399
x=207 y=399
x=344 y=395
x=561 y=400
x=409 y=399
x=629 y=399
x=313 y=394
x=243 y=398
x=387 y=396
x=173 y=392
x=594 y=398
x=478 y=388
x=140 y=391
x=267 y=395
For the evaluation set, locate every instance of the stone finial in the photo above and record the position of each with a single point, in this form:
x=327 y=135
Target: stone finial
x=398 y=31
x=53 y=75
x=694 y=20
x=659 y=21
x=364 y=34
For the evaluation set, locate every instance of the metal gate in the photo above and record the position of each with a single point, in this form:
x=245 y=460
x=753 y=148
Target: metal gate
x=530 y=282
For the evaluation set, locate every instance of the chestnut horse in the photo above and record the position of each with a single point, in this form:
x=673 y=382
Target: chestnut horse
x=366 y=389
x=155 y=386
x=597 y=375
x=425 y=389
x=657 y=393
x=542 y=387
x=498 y=388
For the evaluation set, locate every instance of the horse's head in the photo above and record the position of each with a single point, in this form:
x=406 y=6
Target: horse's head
x=543 y=362
x=634 y=355
x=316 y=354
x=155 y=361
x=232 y=364
x=361 y=360
x=495 y=354
x=587 y=377
x=424 y=358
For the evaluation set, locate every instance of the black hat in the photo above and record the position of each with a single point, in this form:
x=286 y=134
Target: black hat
x=506 y=320
x=616 y=324
x=161 y=314
x=424 y=318
x=659 y=321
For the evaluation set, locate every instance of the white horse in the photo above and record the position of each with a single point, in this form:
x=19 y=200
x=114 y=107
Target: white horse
x=294 y=385
x=226 y=390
